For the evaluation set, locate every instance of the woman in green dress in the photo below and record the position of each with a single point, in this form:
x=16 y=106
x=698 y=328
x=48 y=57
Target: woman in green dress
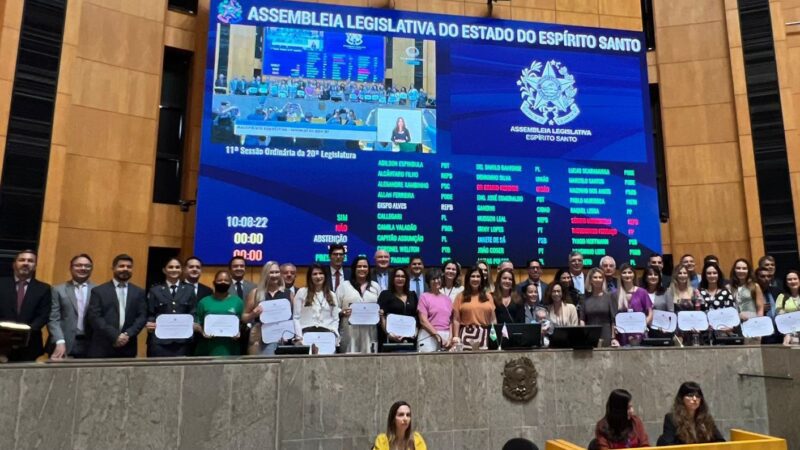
x=221 y=302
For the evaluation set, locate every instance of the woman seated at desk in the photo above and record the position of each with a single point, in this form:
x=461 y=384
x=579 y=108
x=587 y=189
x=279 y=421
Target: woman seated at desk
x=689 y=422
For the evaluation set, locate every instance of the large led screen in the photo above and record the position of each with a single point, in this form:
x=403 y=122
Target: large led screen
x=445 y=136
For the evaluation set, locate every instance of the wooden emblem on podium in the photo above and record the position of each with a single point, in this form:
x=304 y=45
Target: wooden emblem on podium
x=519 y=380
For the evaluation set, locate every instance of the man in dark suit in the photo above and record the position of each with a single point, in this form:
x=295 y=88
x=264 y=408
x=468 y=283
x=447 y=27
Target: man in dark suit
x=338 y=274
x=117 y=313
x=534 y=276
x=657 y=261
x=239 y=286
x=192 y=269
x=68 y=311
x=380 y=273
x=24 y=299
x=289 y=275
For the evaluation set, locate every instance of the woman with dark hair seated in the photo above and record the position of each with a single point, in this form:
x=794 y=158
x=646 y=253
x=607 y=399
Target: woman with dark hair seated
x=689 y=422
x=400 y=434
x=620 y=428
x=507 y=302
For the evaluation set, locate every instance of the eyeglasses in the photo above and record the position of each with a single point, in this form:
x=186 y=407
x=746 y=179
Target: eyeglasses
x=695 y=396
x=85 y=266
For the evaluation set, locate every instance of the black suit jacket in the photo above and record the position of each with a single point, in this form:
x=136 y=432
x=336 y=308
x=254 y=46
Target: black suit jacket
x=35 y=313
x=102 y=317
x=160 y=301
x=345 y=274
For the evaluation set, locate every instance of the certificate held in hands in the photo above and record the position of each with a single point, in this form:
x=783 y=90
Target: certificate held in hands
x=174 y=326
x=364 y=314
x=276 y=310
x=400 y=325
x=221 y=325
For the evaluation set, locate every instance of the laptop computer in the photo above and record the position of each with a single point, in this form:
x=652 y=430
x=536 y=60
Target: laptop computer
x=520 y=336
x=576 y=337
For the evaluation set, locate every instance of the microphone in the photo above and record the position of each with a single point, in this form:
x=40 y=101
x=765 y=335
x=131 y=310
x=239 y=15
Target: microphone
x=293 y=335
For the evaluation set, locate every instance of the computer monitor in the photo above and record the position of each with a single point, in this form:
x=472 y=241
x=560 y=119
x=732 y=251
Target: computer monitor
x=293 y=350
x=576 y=337
x=520 y=336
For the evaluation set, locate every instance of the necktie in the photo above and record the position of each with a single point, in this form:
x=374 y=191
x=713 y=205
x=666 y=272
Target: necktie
x=172 y=289
x=121 y=297
x=338 y=278
x=81 y=305
x=20 y=294
x=239 y=290
x=417 y=287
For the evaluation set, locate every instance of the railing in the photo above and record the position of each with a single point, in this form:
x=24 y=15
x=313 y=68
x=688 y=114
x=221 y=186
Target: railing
x=740 y=440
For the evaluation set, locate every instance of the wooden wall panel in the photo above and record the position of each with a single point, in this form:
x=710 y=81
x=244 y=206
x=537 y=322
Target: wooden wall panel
x=116 y=89
x=121 y=138
x=709 y=79
x=119 y=200
x=127 y=41
x=682 y=42
x=10 y=22
x=693 y=165
x=682 y=12
x=705 y=124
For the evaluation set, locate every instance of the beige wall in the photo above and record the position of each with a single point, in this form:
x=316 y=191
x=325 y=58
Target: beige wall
x=702 y=138
x=786 y=15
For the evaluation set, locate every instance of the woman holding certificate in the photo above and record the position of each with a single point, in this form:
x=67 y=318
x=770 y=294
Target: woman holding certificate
x=632 y=298
x=270 y=287
x=435 y=316
x=400 y=300
x=220 y=303
x=360 y=289
x=474 y=310
x=315 y=306
x=171 y=297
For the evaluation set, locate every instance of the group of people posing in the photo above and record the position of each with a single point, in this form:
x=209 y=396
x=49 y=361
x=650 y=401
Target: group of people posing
x=451 y=311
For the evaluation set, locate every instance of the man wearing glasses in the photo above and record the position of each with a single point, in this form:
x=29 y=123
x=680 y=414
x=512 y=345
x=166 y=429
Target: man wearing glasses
x=534 y=277
x=68 y=310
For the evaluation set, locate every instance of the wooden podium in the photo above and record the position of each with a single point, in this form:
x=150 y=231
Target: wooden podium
x=740 y=440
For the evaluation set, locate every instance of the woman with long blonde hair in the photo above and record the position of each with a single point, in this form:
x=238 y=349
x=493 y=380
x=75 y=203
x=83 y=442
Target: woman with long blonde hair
x=269 y=287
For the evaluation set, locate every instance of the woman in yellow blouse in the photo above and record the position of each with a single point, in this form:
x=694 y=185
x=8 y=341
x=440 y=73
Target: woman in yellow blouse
x=400 y=434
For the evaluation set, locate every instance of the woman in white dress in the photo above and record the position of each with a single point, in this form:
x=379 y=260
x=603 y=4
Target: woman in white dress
x=360 y=289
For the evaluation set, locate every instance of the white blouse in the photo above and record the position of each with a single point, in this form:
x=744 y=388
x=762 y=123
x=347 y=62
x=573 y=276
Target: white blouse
x=319 y=314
